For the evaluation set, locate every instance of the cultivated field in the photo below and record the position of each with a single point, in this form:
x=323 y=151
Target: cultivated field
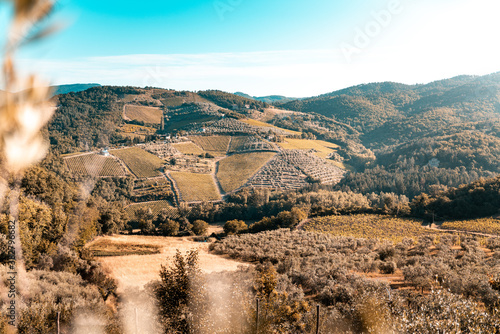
x=94 y=165
x=155 y=206
x=235 y=170
x=151 y=115
x=262 y=124
x=151 y=187
x=188 y=148
x=237 y=142
x=141 y=163
x=323 y=148
x=370 y=227
x=137 y=129
x=196 y=187
x=483 y=225
x=138 y=270
x=212 y=143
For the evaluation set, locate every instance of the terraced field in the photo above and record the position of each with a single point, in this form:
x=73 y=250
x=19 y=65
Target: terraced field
x=143 y=164
x=212 y=143
x=151 y=189
x=195 y=187
x=235 y=170
x=370 y=227
x=155 y=206
x=245 y=144
x=237 y=142
x=151 y=115
x=322 y=148
x=188 y=148
x=94 y=165
x=262 y=124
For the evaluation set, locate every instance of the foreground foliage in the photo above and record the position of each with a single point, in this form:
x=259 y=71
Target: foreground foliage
x=452 y=272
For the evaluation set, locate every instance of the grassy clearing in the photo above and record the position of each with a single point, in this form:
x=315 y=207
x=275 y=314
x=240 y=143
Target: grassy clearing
x=262 y=124
x=138 y=270
x=155 y=206
x=109 y=247
x=236 y=169
x=151 y=115
x=94 y=165
x=196 y=187
x=483 y=225
x=141 y=163
x=212 y=143
x=188 y=148
x=323 y=148
x=370 y=227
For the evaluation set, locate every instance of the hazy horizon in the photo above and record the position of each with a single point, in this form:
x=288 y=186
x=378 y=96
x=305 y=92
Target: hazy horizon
x=259 y=48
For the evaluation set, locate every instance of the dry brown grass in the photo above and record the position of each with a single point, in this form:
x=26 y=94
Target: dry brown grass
x=138 y=270
x=196 y=187
x=151 y=115
x=107 y=247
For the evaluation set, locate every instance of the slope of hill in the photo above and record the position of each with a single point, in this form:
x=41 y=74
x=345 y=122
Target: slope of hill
x=227 y=100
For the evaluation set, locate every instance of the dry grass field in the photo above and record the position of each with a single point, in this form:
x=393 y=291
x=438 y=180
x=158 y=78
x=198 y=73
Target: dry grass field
x=323 y=148
x=138 y=270
x=108 y=247
x=370 y=227
x=236 y=169
x=94 y=165
x=196 y=187
x=188 y=148
x=141 y=163
x=262 y=124
x=151 y=115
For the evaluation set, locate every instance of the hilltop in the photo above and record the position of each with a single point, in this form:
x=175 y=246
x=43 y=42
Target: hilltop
x=267 y=99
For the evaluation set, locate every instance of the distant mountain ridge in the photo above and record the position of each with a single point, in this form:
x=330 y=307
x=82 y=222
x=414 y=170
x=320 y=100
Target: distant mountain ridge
x=267 y=99
x=72 y=88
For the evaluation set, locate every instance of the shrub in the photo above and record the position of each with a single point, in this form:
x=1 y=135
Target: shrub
x=388 y=267
x=200 y=227
x=169 y=228
x=235 y=226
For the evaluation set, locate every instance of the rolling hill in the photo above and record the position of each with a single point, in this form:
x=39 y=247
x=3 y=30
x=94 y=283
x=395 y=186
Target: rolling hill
x=73 y=88
x=267 y=99
x=393 y=137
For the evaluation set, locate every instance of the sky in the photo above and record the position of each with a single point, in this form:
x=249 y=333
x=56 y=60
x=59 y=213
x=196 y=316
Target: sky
x=295 y=48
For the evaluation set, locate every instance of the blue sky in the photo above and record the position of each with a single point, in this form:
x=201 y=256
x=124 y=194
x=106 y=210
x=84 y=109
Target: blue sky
x=295 y=48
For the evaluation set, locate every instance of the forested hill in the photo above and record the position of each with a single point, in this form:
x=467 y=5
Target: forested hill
x=267 y=99
x=391 y=113
x=404 y=139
